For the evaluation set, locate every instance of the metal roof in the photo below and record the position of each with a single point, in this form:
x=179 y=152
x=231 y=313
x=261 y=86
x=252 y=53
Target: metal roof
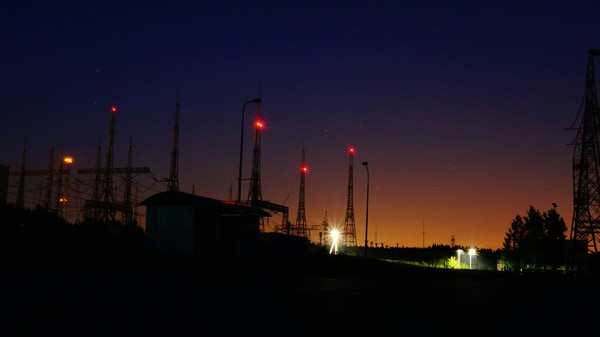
x=169 y=198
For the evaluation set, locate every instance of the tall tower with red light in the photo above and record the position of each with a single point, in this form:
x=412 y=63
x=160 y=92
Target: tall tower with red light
x=108 y=213
x=349 y=224
x=255 y=193
x=301 y=229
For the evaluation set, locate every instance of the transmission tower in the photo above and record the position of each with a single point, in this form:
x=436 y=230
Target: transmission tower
x=255 y=193
x=349 y=225
x=49 y=180
x=50 y=172
x=301 y=229
x=21 y=186
x=173 y=174
x=127 y=205
x=95 y=212
x=108 y=213
x=585 y=226
x=103 y=208
x=324 y=230
x=63 y=186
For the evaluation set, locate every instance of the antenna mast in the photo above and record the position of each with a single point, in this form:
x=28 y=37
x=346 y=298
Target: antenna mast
x=349 y=224
x=301 y=229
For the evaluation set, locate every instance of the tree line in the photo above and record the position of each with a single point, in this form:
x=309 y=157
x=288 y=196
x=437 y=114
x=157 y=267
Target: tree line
x=535 y=241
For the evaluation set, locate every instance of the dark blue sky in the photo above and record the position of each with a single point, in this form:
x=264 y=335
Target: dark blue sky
x=460 y=107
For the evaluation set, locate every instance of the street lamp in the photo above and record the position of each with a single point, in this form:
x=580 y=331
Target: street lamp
x=239 y=191
x=471 y=253
x=367 y=216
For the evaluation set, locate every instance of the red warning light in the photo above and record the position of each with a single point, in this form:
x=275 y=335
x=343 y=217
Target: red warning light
x=304 y=169
x=113 y=109
x=259 y=124
x=351 y=149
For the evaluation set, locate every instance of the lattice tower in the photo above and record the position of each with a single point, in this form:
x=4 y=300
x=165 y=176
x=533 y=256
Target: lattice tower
x=103 y=208
x=301 y=228
x=349 y=224
x=107 y=213
x=21 y=173
x=49 y=180
x=255 y=193
x=586 y=167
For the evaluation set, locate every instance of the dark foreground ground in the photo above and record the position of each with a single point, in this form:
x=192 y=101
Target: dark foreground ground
x=356 y=299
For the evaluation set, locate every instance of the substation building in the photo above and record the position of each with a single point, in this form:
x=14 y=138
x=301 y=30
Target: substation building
x=3 y=183
x=202 y=227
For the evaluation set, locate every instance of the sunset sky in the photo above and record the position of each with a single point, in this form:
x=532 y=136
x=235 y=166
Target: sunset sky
x=461 y=108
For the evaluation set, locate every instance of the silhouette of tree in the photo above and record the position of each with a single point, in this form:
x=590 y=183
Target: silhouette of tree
x=534 y=235
x=553 y=243
x=535 y=241
x=513 y=241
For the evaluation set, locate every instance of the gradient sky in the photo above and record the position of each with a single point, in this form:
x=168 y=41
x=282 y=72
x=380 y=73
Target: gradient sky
x=461 y=108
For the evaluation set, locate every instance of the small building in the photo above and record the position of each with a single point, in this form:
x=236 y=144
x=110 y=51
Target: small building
x=178 y=222
x=3 y=183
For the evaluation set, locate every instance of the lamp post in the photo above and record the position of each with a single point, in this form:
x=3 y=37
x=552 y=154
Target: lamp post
x=458 y=252
x=366 y=164
x=471 y=253
x=239 y=191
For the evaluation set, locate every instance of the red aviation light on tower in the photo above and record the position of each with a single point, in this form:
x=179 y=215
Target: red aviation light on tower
x=351 y=149
x=258 y=124
x=304 y=169
x=68 y=160
x=113 y=109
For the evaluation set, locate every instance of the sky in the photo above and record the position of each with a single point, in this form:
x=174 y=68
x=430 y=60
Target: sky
x=462 y=109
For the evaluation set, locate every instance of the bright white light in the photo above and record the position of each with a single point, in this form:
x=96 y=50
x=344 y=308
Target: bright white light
x=458 y=252
x=334 y=237
x=472 y=252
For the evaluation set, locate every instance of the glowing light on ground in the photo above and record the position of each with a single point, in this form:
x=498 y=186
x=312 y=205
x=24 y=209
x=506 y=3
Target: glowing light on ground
x=334 y=236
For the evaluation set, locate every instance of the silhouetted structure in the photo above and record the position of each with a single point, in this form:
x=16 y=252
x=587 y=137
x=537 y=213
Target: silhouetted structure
x=103 y=207
x=3 y=183
x=349 y=224
x=301 y=229
x=108 y=211
x=324 y=230
x=173 y=185
x=50 y=172
x=586 y=168
x=178 y=222
x=255 y=192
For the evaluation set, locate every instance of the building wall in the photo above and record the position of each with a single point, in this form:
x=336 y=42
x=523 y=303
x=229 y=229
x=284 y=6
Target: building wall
x=3 y=183
x=170 y=228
